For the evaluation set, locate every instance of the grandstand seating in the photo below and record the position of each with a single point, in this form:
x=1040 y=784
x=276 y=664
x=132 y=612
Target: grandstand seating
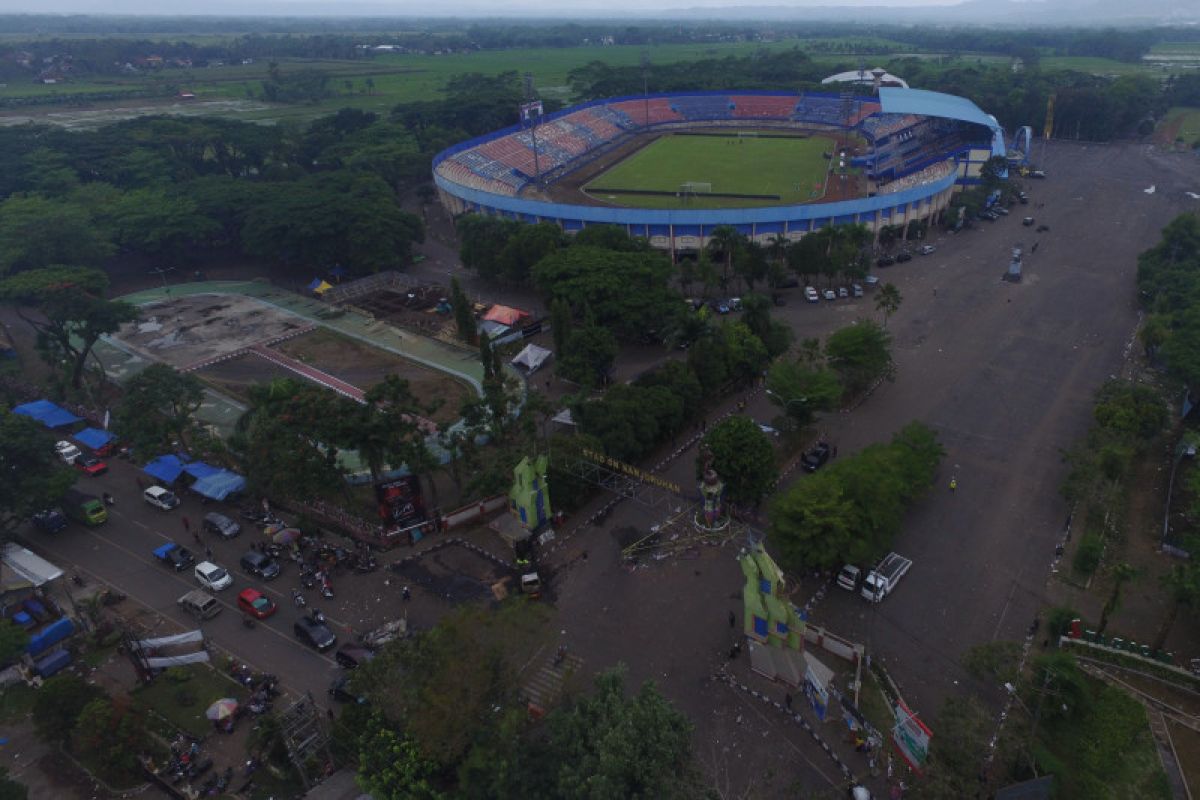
x=658 y=108
x=704 y=107
x=762 y=107
x=826 y=110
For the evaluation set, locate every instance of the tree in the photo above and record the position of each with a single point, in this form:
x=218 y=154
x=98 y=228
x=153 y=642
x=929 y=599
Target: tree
x=743 y=457
x=628 y=293
x=725 y=240
x=390 y=765
x=155 y=414
x=964 y=726
x=1121 y=574
x=1182 y=585
x=464 y=314
x=11 y=789
x=756 y=315
x=801 y=390
x=589 y=356
x=387 y=430
x=111 y=733
x=1130 y=409
x=591 y=753
x=73 y=312
x=888 y=301
x=58 y=705
x=992 y=173
x=33 y=478
x=161 y=224
x=560 y=324
x=860 y=354
x=812 y=524
x=288 y=440
x=13 y=641
x=37 y=232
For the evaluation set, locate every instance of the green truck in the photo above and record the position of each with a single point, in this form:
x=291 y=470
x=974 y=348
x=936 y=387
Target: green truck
x=85 y=508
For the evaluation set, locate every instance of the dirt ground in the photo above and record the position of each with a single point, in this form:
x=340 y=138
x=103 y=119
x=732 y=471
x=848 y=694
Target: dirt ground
x=187 y=330
x=363 y=365
x=234 y=376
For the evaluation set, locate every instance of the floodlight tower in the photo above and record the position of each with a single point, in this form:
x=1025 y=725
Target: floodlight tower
x=645 y=89
x=528 y=110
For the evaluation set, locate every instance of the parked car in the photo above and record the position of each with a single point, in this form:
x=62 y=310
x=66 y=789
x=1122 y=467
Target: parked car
x=1001 y=210
x=903 y=258
x=735 y=304
x=260 y=565
x=788 y=282
x=212 y=577
x=339 y=690
x=256 y=604
x=856 y=290
x=829 y=295
x=221 y=525
x=353 y=655
x=160 y=498
x=815 y=458
x=174 y=556
x=810 y=294
x=1043 y=228
x=1027 y=222
x=315 y=634
x=50 y=520
x=90 y=465
x=884 y=261
x=843 y=292
x=67 y=452
x=871 y=280
x=1037 y=173
x=926 y=249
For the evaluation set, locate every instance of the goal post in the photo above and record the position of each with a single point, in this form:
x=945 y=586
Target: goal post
x=689 y=189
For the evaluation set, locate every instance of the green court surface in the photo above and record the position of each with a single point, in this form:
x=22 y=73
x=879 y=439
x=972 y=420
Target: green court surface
x=792 y=168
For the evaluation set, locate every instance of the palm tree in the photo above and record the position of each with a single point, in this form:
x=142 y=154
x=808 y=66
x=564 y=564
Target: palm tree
x=777 y=246
x=1121 y=573
x=725 y=239
x=888 y=301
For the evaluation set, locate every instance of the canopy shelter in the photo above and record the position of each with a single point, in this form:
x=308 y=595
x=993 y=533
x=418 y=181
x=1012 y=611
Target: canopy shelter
x=506 y=315
x=219 y=484
x=47 y=413
x=532 y=358
x=25 y=567
x=199 y=470
x=165 y=468
x=94 y=438
x=318 y=286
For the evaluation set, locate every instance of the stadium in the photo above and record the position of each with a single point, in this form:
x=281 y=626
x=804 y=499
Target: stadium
x=673 y=167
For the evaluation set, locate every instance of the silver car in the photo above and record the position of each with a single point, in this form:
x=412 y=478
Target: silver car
x=221 y=525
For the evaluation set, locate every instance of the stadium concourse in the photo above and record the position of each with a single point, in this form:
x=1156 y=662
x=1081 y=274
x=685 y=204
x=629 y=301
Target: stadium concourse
x=911 y=148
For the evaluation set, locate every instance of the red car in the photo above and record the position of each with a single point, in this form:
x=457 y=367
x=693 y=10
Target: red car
x=91 y=465
x=256 y=604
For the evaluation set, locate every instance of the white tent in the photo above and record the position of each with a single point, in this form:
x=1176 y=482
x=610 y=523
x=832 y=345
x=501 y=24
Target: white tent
x=532 y=358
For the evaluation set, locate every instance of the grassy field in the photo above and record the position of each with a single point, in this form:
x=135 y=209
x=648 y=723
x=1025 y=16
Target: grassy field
x=1182 y=123
x=790 y=168
x=1176 y=49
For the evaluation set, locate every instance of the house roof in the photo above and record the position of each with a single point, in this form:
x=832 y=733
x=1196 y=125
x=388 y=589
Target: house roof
x=506 y=315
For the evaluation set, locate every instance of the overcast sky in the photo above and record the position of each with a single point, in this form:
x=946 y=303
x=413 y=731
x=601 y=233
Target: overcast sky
x=414 y=8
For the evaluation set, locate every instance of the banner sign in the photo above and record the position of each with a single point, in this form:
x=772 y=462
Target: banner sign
x=400 y=502
x=531 y=111
x=631 y=471
x=910 y=736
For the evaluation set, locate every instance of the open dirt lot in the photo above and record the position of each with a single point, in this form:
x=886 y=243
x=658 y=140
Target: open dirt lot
x=186 y=330
x=362 y=365
x=234 y=376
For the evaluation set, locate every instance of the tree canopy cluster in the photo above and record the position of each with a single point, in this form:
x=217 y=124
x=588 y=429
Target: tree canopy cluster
x=1168 y=280
x=443 y=719
x=174 y=191
x=849 y=511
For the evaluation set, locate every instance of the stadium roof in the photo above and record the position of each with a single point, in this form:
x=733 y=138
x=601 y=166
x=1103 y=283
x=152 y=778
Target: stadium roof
x=866 y=77
x=936 y=104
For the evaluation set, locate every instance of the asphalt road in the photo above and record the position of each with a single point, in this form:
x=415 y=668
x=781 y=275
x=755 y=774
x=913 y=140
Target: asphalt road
x=119 y=553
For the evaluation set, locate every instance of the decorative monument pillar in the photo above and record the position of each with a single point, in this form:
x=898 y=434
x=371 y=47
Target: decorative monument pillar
x=712 y=516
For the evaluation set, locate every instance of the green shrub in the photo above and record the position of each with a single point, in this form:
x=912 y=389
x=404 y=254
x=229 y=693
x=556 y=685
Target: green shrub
x=1059 y=619
x=1087 y=557
x=178 y=675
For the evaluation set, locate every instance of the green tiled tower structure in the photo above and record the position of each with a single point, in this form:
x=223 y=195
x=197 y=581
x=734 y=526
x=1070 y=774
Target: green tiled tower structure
x=529 y=497
x=767 y=617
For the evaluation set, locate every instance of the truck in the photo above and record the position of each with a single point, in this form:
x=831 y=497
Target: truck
x=882 y=580
x=85 y=508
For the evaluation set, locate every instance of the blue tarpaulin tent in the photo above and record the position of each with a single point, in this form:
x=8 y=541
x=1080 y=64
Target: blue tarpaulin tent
x=198 y=470
x=94 y=438
x=47 y=413
x=219 y=485
x=165 y=468
x=50 y=635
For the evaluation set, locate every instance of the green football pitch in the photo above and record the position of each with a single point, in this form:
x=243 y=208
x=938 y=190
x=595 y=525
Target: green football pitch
x=792 y=168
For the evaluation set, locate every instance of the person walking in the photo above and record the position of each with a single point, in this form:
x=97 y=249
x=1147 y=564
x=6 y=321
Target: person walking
x=953 y=484
x=787 y=701
x=732 y=619
x=407 y=595
x=187 y=524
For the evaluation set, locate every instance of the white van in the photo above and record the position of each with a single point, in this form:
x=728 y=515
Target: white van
x=160 y=498
x=210 y=576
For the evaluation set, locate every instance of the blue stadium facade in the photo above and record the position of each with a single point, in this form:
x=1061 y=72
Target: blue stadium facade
x=923 y=147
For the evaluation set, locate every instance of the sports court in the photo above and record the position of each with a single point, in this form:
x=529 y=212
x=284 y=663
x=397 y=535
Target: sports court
x=719 y=170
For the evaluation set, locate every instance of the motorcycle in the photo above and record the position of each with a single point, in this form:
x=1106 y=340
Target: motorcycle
x=317 y=616
x=298 y=599
x=327 y=590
